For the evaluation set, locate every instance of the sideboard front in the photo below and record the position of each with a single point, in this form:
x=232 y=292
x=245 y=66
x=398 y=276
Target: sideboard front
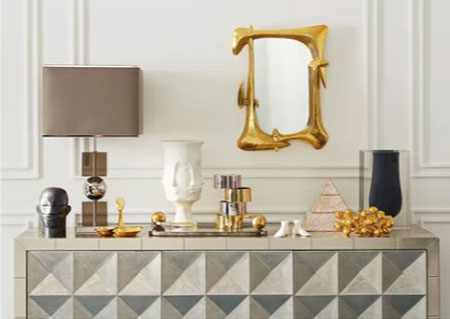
x=227 y=284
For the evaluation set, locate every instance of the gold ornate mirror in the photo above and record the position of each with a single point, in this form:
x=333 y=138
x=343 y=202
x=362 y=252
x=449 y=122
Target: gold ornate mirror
x=283 y=103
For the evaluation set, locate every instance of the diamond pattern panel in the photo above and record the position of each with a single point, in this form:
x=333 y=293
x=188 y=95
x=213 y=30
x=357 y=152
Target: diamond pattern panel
x=315 y=273
x=403 y=273
x=227 y=307
x=271 y=273
x=183 y=273
x=362 y=274
x=227 y=273
x=226 y=284
x=139 y=273
x=273 y=306
x=315 y=307
x=360 y=306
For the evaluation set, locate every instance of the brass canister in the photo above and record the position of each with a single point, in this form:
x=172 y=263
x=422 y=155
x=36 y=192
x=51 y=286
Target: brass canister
x=229 y=222
x=240 y=194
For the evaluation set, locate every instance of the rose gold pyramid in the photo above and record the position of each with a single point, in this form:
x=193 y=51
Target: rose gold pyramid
x=329 y=202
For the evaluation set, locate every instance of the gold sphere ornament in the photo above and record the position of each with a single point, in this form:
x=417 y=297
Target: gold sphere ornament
x=371 y=223
x=259 y=222
x=339 y=214
x=373 y=209
x=158 y=217
x=338 y=226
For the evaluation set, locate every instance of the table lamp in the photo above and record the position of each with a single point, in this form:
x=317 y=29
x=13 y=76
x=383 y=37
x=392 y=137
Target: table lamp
x=92 y=101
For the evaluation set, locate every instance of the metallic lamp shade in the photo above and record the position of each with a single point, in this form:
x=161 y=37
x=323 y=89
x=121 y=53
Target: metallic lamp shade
x=91 y=101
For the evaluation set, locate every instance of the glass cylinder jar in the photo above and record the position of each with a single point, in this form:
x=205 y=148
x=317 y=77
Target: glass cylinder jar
x=384 y=183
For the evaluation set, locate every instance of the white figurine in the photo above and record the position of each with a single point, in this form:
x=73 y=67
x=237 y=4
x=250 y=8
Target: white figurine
x=182 y=178
x=299 y=229
x=284 y=229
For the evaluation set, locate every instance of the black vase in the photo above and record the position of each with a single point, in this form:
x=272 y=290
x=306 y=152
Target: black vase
x=385 y=188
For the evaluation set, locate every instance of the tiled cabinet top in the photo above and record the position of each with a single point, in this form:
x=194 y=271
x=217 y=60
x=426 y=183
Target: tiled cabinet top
x=414 y=238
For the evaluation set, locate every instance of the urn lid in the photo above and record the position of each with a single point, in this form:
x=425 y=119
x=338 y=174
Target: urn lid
x=54 y=196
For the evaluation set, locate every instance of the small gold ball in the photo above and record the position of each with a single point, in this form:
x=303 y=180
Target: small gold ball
x=347 y=231
x=373 y=209
x=378 y=232
x=158 y=217
x=380 y=214
x=368 y=222
x=364 y=213
x=348 y=213
x=364 y=230
x=259 y=222
x=348 y=222
x=338 y=226
x=339 y=215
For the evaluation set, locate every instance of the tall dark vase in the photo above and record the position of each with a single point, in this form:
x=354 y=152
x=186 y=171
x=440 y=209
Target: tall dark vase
x=385 y=188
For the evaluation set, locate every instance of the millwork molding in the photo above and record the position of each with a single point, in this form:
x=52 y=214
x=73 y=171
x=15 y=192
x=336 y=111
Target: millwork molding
x=78 y=25
x=79 y=48
x=419 y=22
x=434 y=220
x=373 y=35
x=29 y=168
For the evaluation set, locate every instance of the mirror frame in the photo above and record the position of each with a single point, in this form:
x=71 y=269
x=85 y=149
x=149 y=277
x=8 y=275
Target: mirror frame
x=253 y=138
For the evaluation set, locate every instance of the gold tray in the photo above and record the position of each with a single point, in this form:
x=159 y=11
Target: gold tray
x=205 y=232
x=127 y=231
x=105 y=231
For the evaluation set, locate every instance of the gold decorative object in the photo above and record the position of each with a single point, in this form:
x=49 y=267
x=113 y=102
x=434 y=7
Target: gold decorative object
x=230 y=222
x=322 y=217
x=372 y=223
x=120 y=204
x=240 y=194
x=105 y=231
x=121 y=230
x=259 y=222
x=158 y=217
x=236 y=222
x=233 y=210
x=253 y=138
x=127 y=231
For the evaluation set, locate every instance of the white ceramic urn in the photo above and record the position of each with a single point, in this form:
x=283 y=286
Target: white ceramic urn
x=182 y=177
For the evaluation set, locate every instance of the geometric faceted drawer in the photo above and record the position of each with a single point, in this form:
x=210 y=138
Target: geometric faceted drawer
x=227 y=284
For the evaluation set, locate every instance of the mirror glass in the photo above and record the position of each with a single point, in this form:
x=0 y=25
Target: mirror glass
x=282 y=84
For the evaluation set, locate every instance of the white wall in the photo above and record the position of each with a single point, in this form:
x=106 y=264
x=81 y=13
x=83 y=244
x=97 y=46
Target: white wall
x=387 y=88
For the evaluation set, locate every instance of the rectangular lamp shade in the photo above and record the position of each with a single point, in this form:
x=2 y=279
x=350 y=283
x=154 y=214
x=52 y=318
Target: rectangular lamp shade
x=91 y=101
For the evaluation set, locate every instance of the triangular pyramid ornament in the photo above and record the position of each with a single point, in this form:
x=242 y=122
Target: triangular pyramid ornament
x=329 y=202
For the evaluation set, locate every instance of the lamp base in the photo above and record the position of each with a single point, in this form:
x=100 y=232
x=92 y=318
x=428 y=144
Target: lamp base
x=94 y=213
x=94 y=164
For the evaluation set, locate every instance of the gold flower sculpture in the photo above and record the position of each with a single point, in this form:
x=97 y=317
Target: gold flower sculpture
x=372 y=223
